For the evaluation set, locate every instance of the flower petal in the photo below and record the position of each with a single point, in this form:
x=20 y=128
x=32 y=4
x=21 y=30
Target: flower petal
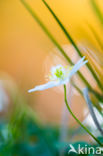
x=77 y=66
x=45 y=86
x=80 y=61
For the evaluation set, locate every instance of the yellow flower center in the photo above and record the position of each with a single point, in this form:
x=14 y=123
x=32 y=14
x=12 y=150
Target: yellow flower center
x=59 y=73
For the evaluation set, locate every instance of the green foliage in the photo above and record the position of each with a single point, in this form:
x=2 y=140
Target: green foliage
x=32 y=139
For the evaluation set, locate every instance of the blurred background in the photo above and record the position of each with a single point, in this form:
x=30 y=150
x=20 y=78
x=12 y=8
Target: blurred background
x=27 y=54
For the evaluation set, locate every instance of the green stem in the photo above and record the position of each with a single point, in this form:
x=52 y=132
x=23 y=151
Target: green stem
x=73 y=43
x=69 y=109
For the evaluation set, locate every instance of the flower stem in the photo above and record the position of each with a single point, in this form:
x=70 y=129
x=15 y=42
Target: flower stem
x=69 y=109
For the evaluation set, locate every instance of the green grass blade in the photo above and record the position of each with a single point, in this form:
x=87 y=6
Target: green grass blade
x=63 y=28
x=96 y=36
x=73 y=43
x=77 y=88
x=97 y=11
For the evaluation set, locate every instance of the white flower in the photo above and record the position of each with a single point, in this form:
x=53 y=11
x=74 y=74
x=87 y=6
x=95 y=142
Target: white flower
x=60 y=75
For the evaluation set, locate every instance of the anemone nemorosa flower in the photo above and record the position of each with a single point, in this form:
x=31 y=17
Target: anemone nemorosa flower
x=60 y=75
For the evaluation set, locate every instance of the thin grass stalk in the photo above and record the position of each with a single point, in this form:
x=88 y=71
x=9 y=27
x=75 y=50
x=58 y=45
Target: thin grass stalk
x=77 y=88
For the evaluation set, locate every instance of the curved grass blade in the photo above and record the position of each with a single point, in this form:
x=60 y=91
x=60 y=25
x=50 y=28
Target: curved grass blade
x=53 y=40
x=73 y=43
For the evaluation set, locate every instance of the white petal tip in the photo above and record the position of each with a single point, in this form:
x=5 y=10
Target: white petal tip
x=86 y=61
x=29 y=91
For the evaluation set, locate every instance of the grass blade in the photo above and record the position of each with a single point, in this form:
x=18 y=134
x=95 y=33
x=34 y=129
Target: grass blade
x=96 y=36
x=97 y=11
